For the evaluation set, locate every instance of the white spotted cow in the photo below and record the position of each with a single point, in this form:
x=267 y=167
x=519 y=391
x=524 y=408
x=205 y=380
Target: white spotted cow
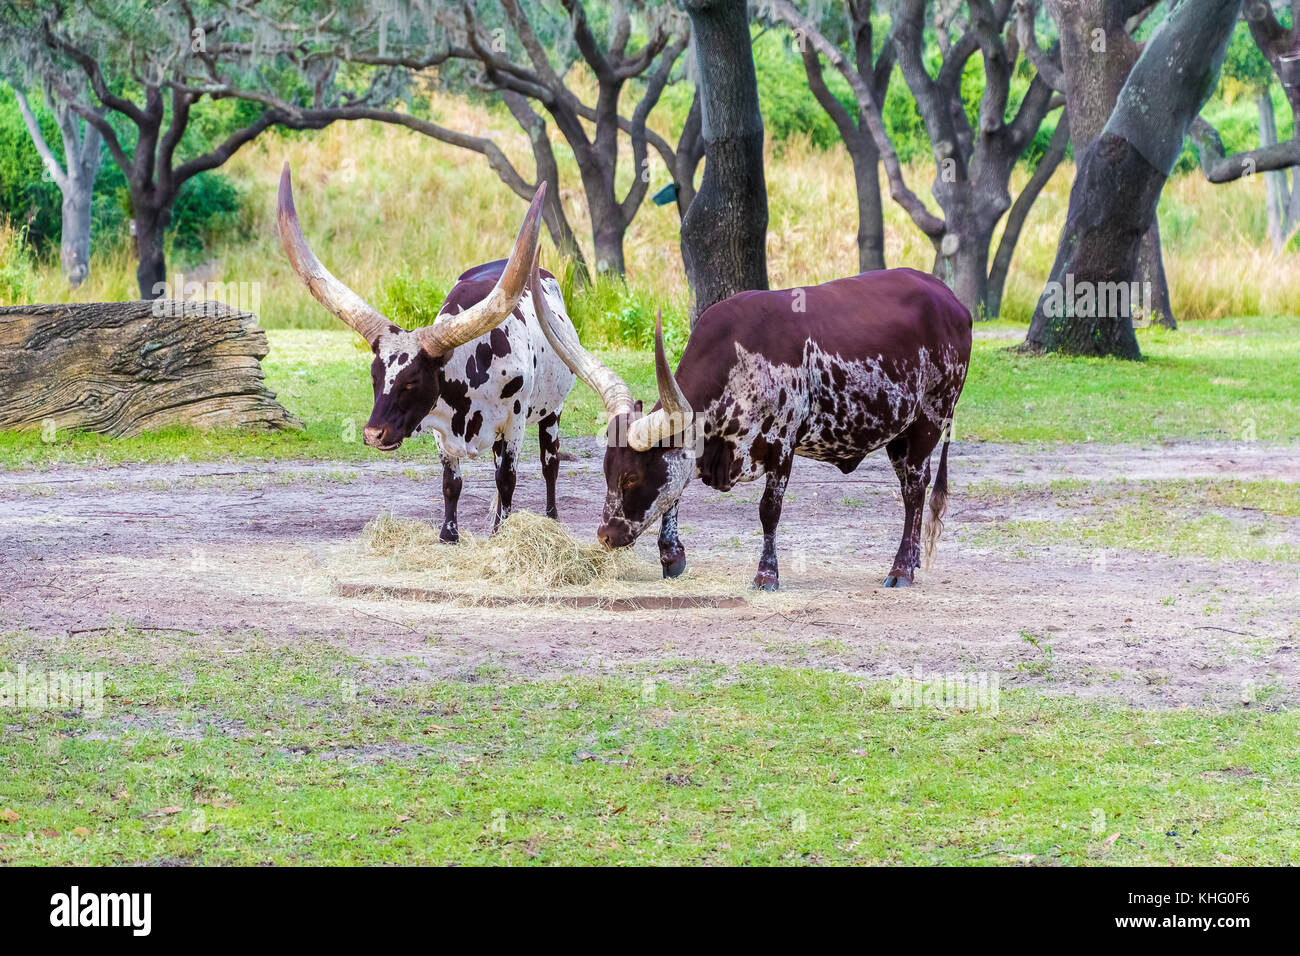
x=475 y=378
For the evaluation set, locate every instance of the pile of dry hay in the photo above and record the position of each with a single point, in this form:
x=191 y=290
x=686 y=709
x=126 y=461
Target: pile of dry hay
x=528 y=554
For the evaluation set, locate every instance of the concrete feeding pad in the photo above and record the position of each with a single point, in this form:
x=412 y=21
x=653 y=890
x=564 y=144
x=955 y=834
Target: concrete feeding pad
x=649 y=602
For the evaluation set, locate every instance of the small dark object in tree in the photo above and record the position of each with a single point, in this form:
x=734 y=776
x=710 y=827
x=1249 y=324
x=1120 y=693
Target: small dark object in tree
x=666 y=195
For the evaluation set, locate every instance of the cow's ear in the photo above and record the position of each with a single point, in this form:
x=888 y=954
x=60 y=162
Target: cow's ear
x=636 y=408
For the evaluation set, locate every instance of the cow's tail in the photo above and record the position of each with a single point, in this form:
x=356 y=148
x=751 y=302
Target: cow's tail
x=938 y=505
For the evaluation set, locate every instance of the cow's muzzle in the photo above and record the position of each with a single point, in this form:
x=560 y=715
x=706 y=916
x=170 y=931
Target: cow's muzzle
x=615 y=534
x=380 y=438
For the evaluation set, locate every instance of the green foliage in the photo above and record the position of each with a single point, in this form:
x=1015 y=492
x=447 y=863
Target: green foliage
x=411 y=303
x=605 y=312
x=788 y=106
x=16 y=266
x=28 y=196
x=609 y=312
x=790 y=109
x=903 y=121
x=1244 y=63
x=206 y=204
x=1238 y=125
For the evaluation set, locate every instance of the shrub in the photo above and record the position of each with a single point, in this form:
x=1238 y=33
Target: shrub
x=206 y=205
x=17 y=269
x=27 y=195
x=411 y=303
x=606 y=313
x=609 y=312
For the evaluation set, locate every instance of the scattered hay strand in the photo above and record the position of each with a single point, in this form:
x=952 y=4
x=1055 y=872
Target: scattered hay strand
x=528 y=554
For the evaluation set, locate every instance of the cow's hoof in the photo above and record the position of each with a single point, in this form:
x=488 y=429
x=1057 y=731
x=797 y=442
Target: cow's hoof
x=896 y=581
x=766 y=581
x=449 y=536
x=674 y=567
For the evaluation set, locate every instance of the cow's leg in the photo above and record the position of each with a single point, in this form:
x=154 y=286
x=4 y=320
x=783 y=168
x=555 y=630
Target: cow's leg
x=769 y=513
x=671 y=553
x=548 y=436
x=505 y=450
x=451 y=485
x=910 y=455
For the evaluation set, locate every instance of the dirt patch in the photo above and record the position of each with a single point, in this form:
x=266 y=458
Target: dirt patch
x=224 y=549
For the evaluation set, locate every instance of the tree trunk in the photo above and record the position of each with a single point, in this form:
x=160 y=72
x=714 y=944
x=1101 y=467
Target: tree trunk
x=1121 y=173
x=74 y=242
x=607 y=231
x=151 y=221
x=608 y=227
x=1097 y=55
x=75 y=179
x=82 y=155
x=121 y=368
x=1274 y=179
x=1150 y=275
x=1020 y=212
x=871 y=222
x=724 y=231
x=965 y=269
x=686 y=159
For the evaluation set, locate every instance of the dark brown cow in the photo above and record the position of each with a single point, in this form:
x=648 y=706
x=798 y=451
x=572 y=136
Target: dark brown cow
x=475 y=378
x=830 y=372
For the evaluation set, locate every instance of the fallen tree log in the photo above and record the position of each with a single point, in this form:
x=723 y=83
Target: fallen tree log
x=121 y=368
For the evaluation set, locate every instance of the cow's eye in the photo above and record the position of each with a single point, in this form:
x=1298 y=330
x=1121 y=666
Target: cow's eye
x=628 y=482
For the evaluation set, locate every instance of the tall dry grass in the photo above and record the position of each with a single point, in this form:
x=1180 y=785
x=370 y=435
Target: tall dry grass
x=377 y=201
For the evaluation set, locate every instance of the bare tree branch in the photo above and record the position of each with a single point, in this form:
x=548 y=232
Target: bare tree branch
x=1221 y=168
x=57 y=172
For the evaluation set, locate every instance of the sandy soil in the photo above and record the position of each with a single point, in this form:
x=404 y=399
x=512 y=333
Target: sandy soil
x=222 y=549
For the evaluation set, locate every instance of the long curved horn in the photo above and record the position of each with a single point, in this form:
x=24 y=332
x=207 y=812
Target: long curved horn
x=613 y=391
x=451 y=331
x=674 y=412
x=358 y=314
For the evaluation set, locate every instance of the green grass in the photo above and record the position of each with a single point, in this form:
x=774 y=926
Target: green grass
x=1224 y=520
x=1232 y=379
x=307 y=755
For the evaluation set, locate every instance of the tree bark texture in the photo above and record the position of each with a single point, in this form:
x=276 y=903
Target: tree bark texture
x=724 y=231
x=1121 y=173
x=121 y=368
x=1097 y=54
